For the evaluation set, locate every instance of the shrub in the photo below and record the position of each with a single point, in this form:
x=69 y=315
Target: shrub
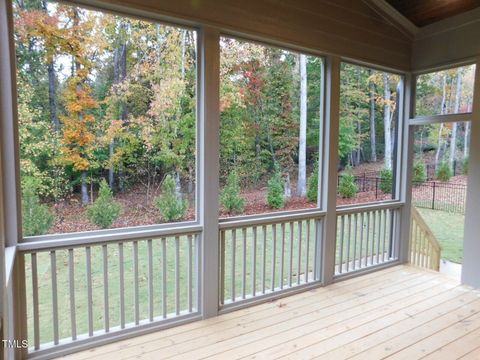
x=386 y=181
x=104 y=210
x=230 y=197
x=275 y=198
x=444 y=172
x=347 y=188
x=36 y=217
x=465 y=166
x=170 y=207
x=312 y=187
x=419 y=175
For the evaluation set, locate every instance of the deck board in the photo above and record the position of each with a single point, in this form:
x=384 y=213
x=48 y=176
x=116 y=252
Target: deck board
x=400 y=312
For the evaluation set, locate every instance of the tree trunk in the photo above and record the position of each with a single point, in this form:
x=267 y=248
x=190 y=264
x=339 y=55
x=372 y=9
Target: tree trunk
x=190 y=179
x=52 y=97
x=439 y=145
x=359 y=149
x=456 y=109
x=119 y=75
x=387 y=122
x=75 y=69
x=184 y=38
x=178 y=186
x=84 y=189
x=443 y=111
x=52 y=83
x=373 y=140
x=257 y=156
x=302 y=138
x=288 y=187
x=465 y=142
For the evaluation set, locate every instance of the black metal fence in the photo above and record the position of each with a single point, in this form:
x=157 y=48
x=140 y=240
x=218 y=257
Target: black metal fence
x=435 y=195
x=368 y=182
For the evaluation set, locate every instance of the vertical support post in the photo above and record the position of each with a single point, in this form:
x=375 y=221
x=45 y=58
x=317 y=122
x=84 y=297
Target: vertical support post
x=329 y=171
x=10 y=189
x=19 y=305
x=208 y=166
x=9 y=127
x=471 y=245
x=405 y=169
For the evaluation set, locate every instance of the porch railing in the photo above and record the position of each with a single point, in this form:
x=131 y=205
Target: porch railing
x=425 y=250
x=93 y=288
x=366 y=237
x=96 y=289
x=262 y=257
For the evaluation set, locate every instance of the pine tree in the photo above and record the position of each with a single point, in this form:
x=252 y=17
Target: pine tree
x=230 y=197
x=105 y=210
x=171 y=208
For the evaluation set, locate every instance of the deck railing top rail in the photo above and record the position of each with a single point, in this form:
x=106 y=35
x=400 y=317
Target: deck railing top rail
x=268 y=219
x=105 y=237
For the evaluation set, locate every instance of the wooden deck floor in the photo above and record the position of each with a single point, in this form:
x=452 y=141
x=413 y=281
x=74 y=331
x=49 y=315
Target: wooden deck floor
x=399 y=313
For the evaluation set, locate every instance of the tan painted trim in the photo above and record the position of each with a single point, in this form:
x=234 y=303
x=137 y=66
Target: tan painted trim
x=393 y=16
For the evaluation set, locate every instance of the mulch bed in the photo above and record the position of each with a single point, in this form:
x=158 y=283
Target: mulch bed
x=71 y=215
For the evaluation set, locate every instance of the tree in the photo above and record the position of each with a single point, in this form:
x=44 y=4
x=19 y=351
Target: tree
x=386 y=181
x=419 y=175
x=443 y=112
x=105 y=210
x=171 y=208
x=230 y=197
x=302 y=138
x=275 y=198
x=79 y=138
x=312 y=192
x=373 y=142
x=37 y=148
x=444 y=172
x=119 y=76
x=456 y=110
x=387 y=119
x=354 y=113
x=36 y=217
x=347 y=188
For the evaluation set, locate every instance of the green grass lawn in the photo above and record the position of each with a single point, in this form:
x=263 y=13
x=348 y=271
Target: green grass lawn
x=448 y=228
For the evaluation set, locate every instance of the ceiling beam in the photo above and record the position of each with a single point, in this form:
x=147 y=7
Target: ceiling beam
x=393 y=16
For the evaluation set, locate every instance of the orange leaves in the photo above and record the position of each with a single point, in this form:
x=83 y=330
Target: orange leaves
x=77 y=145
x=75 y=159
x=74 y=108
x=79 y=139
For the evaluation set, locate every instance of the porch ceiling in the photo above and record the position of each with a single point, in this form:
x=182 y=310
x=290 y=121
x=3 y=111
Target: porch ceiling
x=402 y=312
x=426 y=12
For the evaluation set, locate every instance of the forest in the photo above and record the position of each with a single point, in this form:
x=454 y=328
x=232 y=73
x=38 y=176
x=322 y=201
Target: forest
x=107 y=122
